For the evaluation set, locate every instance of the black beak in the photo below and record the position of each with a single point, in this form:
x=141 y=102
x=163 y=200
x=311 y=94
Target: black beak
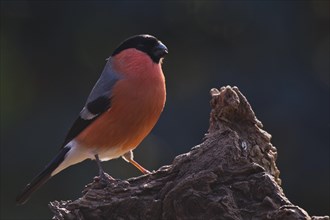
x=160 y=50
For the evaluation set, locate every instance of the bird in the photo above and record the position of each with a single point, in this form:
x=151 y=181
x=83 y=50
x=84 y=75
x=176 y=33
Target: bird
x=120 y=111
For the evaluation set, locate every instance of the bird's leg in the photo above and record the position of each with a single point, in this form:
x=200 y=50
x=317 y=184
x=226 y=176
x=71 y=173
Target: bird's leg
x=129 y=158
x=103 y=176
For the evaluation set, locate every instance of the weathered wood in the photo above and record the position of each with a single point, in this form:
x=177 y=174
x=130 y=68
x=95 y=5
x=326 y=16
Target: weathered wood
x=231 y=175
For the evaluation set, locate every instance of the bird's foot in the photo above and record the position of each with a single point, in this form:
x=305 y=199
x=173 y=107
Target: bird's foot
x=104 y=179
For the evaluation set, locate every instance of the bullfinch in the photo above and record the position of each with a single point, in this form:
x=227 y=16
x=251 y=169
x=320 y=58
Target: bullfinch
x=122 y=108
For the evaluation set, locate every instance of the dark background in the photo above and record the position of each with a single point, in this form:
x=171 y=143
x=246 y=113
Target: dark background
x=276 y=52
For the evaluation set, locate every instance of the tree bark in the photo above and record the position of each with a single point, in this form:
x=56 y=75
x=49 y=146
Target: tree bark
x=231 y=175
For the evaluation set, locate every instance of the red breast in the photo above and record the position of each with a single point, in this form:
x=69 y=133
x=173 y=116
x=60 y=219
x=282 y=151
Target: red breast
x=136 y=104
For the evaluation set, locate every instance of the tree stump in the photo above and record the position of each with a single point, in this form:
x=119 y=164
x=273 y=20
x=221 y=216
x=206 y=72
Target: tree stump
x=231 y=175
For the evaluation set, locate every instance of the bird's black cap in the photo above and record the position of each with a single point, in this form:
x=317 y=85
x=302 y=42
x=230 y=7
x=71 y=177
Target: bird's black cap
x=145 y=43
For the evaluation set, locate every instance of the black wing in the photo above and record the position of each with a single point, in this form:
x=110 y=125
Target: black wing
x=98 y=101
x=94 y=109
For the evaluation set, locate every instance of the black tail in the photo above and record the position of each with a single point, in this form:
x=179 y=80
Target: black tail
x=42 y=177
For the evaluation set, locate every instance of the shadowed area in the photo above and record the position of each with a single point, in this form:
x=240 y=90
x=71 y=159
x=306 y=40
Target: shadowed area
x=52 y=53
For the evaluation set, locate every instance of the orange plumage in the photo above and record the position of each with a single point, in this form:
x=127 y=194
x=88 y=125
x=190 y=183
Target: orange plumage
x=138 y=100
x=119 y=113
